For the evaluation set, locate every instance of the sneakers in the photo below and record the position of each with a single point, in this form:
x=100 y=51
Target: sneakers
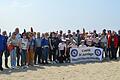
x=1 y=69
x=6 y=66
x=14 y=67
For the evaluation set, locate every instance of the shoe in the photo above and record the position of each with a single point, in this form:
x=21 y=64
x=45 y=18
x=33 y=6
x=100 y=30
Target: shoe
x=1 y=69
x=18 y=65
x=6 y=66
x=54 y=62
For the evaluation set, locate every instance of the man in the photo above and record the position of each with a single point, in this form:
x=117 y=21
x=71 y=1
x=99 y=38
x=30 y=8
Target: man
x=38 y=49
x=6 y=52
x=2 y=48
x=18 y=37
x=78 y=38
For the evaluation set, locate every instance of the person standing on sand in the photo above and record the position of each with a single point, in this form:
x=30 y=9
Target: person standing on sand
x=6 y=52
x=103 y=43
x=38 y=49
x=31 y=51
x=12 y=46
x=45 y=47
x=62 y=51
x=24 y=49
x=18 y=37
x=2 y=48
x=114 y=45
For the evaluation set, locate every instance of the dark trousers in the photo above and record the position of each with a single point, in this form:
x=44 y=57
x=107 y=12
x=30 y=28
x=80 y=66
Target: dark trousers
x=23 y=57
x=114 y=52
x=1 y=60
x=6 y=53
x=18 y=55
x=38 y=55
x=52 y=54
x=45 y=53
x=62 y=57
x=67 y=57
x=109 y=52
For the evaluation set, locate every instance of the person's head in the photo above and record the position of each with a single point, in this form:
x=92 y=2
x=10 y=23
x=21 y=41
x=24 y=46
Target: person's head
x=104 y=31
x=34 y=34
x=38 y=34
x=24 y=35
x=53 y=34
x=4 y=33
x=43 y=35
x=30 y=35
x=14 y=35
x=113 y=33
x=61 y=32
x=69 y=31
x=82 y=42
x=46 y=35
x=64 y=35
x=17 y=30
x=78 y=31
x=109 y=31
x=94 y=31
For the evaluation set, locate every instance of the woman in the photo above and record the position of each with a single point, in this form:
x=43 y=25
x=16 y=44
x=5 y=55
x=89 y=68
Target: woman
x=45 y=46
x=24 y=49
x=31 y=51
x=114 y=45
x=12 y=44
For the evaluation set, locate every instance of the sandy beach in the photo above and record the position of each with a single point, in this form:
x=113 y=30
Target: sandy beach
x=107 y=70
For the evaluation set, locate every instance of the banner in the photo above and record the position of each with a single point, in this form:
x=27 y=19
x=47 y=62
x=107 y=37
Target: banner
x=85 y=54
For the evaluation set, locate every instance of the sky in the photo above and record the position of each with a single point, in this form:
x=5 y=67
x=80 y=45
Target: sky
x=53 y=15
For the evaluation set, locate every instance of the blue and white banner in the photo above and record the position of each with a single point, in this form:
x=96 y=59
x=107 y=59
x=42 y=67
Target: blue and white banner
x=85 y=54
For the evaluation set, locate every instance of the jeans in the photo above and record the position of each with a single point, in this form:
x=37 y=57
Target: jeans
x=13 y=57
x=45 y=54
x=23 y=57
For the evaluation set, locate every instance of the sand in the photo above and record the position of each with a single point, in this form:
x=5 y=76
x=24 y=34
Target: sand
x=107 y=70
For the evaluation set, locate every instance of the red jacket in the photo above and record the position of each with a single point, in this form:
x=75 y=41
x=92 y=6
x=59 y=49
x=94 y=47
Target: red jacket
x=109 y=40
x=115 y=41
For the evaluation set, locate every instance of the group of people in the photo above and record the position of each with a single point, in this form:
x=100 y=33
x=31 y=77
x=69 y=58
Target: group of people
x=31 y=48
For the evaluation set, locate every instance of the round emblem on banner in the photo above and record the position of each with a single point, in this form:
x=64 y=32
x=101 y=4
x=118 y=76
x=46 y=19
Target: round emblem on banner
x=98 y=52
x=74 y=53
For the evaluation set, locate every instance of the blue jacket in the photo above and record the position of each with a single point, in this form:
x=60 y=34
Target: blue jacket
x=44 y=42
x=2 y=43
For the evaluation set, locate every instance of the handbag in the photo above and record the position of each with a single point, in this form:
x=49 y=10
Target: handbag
x=10 y=47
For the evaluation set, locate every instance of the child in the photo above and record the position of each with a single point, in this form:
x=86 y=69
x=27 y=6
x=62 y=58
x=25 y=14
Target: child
x=82 y=44
x=24 y=49
x=62 y=51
